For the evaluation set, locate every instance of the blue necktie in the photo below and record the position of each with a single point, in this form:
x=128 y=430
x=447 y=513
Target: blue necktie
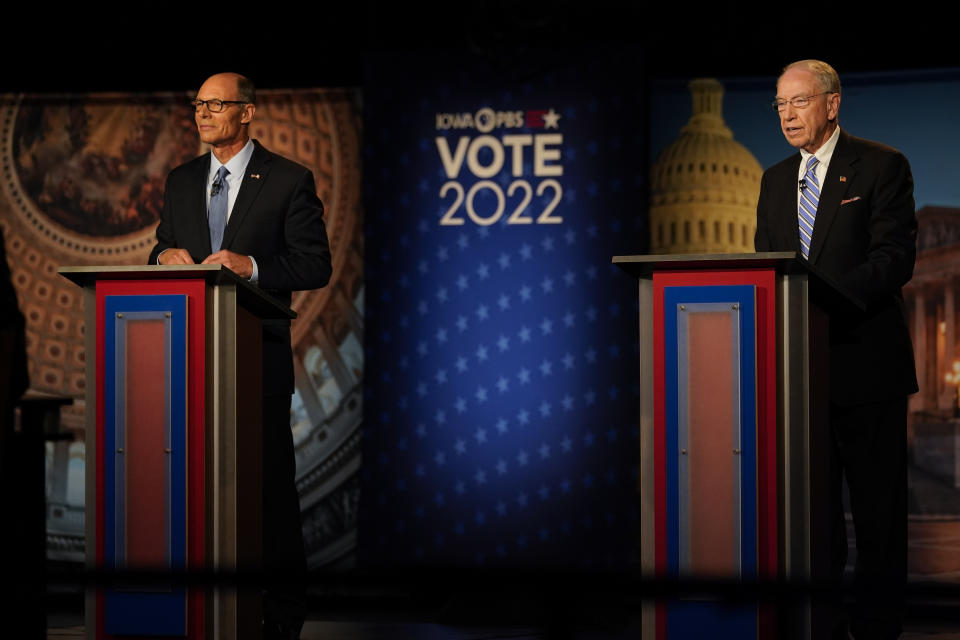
x=217 y=216
x=809 y=199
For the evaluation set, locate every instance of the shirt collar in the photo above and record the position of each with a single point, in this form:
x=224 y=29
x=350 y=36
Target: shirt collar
x=235 y=165
x=824 y=153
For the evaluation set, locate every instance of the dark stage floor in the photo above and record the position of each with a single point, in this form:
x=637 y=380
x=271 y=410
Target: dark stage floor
x=481 y=617
x=454 y=606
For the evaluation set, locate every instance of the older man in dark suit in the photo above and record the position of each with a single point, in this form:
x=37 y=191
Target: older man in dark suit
x=259 y=215
x=846 y=205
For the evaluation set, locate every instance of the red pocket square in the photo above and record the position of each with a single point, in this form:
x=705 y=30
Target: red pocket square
x=853 y=199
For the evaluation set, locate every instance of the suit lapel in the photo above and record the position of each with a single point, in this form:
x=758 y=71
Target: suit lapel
x=253 y=180
x=789 y=204
x=832 y=192
x=198 y=203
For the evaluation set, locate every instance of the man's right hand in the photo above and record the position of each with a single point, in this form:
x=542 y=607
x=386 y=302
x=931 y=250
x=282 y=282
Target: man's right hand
x=175 y=256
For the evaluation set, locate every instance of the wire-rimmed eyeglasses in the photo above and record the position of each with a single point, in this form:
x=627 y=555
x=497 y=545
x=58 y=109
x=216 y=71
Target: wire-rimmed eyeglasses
x=799 y=102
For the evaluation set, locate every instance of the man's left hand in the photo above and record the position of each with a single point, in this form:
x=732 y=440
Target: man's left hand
x=239 y=264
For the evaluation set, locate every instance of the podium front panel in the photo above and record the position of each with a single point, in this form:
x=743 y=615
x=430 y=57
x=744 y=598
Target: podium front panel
x=710 y=428
x=714 y=449
x=173 y=470
x=710 y=450
x=126 y=496
x=144 y=453
x=793 y=506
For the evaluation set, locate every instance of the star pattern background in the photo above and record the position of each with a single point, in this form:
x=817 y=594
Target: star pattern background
x=500 y=402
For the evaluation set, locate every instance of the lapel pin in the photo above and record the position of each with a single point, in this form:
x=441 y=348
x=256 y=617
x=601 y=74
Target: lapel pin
x=843 y=178
x=256 y=176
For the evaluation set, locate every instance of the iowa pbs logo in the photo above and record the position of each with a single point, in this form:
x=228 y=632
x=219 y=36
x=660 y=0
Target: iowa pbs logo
x=486 y=202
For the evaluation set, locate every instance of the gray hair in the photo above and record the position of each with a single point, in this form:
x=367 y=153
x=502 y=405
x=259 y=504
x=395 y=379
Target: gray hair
x=826 y=75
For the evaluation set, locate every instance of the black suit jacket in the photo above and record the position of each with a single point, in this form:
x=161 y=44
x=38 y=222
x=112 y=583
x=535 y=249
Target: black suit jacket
x=865 y=238
x=277 y=218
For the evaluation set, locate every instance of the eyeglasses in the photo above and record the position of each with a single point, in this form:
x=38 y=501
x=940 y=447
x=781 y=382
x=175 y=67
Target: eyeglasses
x=216 y=105
x=800 y=102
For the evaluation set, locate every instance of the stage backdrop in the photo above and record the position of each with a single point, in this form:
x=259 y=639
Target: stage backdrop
x=501 y=407
x=82 y=184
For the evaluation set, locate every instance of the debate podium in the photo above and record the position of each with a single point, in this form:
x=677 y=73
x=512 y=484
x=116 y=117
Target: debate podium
x=735 y=451
x=173 y=449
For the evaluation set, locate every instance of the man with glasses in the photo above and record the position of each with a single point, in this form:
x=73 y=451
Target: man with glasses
x=846 y=205
x=258 y=214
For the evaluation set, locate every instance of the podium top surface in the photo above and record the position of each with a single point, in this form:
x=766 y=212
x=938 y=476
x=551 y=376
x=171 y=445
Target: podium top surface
x=785 y=262
x=643 y=266
x=250 y=296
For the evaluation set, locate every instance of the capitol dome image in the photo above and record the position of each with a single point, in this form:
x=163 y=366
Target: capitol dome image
x=704 y=186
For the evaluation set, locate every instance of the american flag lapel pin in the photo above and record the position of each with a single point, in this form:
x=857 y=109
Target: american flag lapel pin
x=256 y=176
x=843 y=178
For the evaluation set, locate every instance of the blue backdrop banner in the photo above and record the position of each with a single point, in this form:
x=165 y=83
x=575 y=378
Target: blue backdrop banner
x=501 y=400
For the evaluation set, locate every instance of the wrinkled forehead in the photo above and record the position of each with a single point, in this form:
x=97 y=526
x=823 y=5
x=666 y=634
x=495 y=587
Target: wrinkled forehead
x=797 y=82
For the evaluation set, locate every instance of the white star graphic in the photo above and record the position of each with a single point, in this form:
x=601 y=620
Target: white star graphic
x=551 y=120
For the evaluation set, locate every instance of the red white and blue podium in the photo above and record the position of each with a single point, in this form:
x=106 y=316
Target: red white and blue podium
x=734 y=465
x=173 y=409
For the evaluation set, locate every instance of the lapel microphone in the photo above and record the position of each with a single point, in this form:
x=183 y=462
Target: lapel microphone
x=803 y=184
x=217 y=186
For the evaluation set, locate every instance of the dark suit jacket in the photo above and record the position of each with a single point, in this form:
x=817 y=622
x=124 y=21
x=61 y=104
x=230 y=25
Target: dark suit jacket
x=277 y=218
x=865 y=238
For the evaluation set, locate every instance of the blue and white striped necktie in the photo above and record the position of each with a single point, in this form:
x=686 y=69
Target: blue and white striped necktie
x=809 y=199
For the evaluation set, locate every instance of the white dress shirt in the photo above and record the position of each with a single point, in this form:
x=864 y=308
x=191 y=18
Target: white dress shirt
x=823 y=154
x=237 y=166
